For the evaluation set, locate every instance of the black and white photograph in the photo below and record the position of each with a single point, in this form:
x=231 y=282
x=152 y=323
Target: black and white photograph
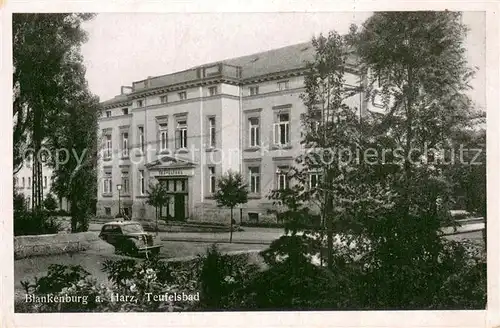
x=272 y=161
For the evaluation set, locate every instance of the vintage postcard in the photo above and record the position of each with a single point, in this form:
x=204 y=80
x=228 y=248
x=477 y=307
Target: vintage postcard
x=242 y=166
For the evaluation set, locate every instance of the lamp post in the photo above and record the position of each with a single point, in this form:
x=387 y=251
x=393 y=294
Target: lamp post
x=119 y=188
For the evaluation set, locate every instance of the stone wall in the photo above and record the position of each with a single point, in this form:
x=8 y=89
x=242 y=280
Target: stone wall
x=43 y=245
x=212 y=213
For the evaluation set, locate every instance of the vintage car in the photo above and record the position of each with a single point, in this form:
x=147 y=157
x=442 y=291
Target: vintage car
x=129 y=237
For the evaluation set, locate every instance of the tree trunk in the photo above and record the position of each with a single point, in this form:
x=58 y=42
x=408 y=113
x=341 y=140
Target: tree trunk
x=328 y=217
x=231 y=228
x=74 y=216
x=156 y=209
x=329 y=231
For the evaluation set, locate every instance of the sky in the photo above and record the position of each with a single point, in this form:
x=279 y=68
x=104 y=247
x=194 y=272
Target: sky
x=127 y=47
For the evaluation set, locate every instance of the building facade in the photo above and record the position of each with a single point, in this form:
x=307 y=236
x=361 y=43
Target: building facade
x=23 y=184
x=187 y=128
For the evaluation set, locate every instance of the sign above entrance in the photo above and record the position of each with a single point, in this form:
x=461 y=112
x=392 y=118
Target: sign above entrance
x=174 y=172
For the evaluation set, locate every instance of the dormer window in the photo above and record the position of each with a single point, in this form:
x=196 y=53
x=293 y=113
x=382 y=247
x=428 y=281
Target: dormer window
x=125 y=111
x=108 y=113
x=140 y=103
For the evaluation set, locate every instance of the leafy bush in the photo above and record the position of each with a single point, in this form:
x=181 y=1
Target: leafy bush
x=58 y=277
x=295 y=249
x=292 y=286
x=140 y=281
x=61 y=212
x=121 y=271
x=456 y=279
x=50 y=203
x=35 y=223
x=222 y=279
x=262 y=224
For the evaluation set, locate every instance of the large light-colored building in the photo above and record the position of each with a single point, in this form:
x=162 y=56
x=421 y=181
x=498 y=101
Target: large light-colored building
x=187 y=128
x=23 y=184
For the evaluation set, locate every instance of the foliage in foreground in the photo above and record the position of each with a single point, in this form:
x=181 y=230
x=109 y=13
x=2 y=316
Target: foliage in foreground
x=28 y=222
x=216 y=281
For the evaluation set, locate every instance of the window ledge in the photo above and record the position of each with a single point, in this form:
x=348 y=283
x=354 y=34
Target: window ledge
x=276 y=147
x=107 y=195
x=163 y=152
x=254 y=196
x=209 y=197
x=107 y=159
x=141 y=196
x=211 y=149
x=182 y=151
x=125 y=157
x=252 y=149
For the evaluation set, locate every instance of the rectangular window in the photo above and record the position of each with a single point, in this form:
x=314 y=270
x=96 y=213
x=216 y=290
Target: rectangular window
x=141 y=137
x=315 y=120
x=142 y=187
x=182 y=95
x=140 y=103
x=282 y=178
x=254 y=179
x=45 y=181
x=23 y=182
x=125 y=111
x=164 y=99
x=314 y=180
x=108 y=150
x=181 y=134
x=211 y=132
x=254 y=131
x=29 y=183
x=282 y=130
x=108 y=113
x=125 y=144
x=107 y=210
x=107 y=184
x=282 y=85
x=163 y=132
x=213 y=90
x=253 y=217
x=212 y=179
x=254 y=90
x=125 y=183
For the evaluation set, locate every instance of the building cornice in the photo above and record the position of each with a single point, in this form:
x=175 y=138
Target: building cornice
x=118 y=104
x=215 y=80
x=182 y=86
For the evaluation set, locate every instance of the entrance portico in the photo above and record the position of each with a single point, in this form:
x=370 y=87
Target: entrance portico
x=177 y=176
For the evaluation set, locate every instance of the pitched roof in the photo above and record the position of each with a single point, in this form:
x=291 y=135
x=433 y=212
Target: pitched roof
x=263 y=63
x=115 y=99
x=277 y=60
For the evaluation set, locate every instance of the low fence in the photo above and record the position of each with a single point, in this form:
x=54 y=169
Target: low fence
x=43 y=245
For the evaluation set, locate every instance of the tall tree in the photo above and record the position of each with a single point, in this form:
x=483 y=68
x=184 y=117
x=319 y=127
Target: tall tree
x=157 y=197
x=75 y=147
x=415 y=64
x=47 y=72
x=331 y=136
x=231 y=191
